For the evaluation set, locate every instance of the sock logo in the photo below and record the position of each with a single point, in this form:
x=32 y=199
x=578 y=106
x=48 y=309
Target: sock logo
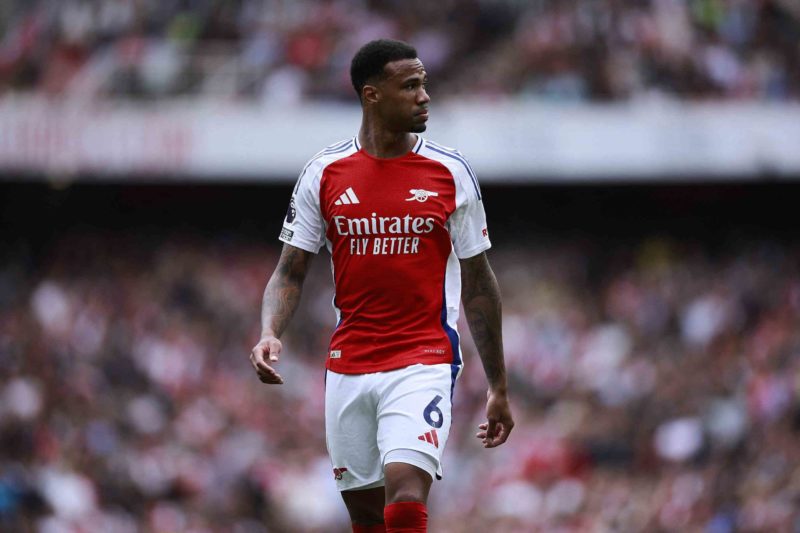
x=337 y=473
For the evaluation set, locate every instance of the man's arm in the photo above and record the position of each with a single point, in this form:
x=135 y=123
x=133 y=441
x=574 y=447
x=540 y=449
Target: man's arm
x=279 y=303
x=480 y=295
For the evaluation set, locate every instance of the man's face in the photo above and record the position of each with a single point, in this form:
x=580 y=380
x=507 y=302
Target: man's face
x=403 y=102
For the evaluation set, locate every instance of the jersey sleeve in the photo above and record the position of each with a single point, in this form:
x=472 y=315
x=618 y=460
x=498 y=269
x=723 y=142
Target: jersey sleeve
x=468 y=223
x=304 y=226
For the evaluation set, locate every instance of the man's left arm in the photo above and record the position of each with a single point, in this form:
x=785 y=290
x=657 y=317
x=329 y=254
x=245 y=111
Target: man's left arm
x=480 y=295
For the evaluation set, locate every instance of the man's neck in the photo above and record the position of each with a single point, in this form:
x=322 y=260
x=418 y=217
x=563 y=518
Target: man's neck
x=385 y=144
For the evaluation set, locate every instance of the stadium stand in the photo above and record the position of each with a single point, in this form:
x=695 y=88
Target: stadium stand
x=654 y=365
x=652 y=329
x=569 y=50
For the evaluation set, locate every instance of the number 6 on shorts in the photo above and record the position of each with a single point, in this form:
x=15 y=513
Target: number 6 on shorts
x=432 y=408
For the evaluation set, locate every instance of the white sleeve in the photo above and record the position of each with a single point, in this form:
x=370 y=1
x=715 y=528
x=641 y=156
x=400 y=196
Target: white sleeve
x=303 y=226
x=468 y=230
x=468 y=223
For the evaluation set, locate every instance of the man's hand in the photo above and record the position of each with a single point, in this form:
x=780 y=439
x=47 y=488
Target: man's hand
x=281 y=297
x=499 y=423
x=264 y=354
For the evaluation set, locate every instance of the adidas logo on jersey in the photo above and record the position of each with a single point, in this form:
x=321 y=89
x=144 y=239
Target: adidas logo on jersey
x=348 y=197
x=430 y=437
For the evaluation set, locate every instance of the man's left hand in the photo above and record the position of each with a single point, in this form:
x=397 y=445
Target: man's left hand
x=496 y=429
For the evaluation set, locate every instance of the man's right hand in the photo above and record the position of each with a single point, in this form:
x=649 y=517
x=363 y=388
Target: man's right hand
x=264 y=354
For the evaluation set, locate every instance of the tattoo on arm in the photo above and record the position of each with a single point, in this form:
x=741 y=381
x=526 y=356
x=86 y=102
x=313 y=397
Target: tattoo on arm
x=480 y=295
x=282 y=294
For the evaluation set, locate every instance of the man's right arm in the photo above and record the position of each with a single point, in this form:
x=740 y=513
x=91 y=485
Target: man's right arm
x=281 y=297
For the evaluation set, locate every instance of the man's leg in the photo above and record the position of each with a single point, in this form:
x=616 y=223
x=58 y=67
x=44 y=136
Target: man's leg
x=413 y=427
x=401 y=503
x=366 y=509
x=407 y=488
x=350 y=429
x=406 y=483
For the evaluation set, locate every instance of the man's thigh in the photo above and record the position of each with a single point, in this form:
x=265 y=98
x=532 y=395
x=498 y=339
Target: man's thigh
x=414 y=414
x=351 y=431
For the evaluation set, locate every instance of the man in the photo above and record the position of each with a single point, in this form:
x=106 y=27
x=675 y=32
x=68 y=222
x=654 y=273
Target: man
x=403 y=219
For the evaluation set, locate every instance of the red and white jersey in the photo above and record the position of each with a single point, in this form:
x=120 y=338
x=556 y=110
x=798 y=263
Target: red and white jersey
x=395 y=229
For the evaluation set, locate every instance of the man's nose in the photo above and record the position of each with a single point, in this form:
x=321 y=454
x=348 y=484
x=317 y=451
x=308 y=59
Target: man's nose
x=422 y=96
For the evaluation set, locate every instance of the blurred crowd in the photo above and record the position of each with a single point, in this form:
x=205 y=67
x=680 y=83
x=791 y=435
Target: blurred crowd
x=656 y=388
x=281 y=52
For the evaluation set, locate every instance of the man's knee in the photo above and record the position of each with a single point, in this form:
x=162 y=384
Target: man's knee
x=406 y=483
x=365 y=506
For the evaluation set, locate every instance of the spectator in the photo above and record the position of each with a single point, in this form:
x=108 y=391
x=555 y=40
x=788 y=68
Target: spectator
x=573 y=50
x=661 y=394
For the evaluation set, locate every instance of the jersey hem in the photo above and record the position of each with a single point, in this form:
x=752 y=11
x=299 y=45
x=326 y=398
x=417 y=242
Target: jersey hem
x=374 y=369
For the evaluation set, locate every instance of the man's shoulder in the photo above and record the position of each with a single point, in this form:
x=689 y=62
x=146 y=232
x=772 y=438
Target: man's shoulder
x=430 y=144
x=444 y=154
x=452 y=158
x=329 y=154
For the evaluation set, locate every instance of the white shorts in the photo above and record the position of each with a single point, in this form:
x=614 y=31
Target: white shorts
x=404 y=413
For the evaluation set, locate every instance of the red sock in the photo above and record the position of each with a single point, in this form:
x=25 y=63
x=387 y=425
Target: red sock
x=406 y=517
x=377 y=528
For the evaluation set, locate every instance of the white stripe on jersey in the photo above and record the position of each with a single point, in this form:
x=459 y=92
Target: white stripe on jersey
x=349 y=192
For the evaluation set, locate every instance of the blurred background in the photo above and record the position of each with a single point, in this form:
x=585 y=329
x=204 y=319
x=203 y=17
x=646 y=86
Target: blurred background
x=640 y=164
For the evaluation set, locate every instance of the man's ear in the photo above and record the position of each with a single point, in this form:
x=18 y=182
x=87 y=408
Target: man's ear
x=370 y=94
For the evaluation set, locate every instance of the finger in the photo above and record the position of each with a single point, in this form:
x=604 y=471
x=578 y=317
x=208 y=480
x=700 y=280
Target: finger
x=491 y=428
x=502 y=435
x=491 y=431
x=274 y=347
x=483 y=426
x=481 y=435
x=271 y=380
x=257 y=354
x=269 y=375
x=264 y=369
x=262 y=366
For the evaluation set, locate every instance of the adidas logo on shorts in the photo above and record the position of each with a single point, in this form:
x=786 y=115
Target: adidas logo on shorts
x=430 y=437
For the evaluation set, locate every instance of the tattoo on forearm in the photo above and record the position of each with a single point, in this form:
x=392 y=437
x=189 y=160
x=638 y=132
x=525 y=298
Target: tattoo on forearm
x=480 y=294
x=282 y=294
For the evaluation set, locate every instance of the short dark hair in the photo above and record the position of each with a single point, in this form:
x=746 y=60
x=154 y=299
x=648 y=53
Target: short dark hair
x=373 y=56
